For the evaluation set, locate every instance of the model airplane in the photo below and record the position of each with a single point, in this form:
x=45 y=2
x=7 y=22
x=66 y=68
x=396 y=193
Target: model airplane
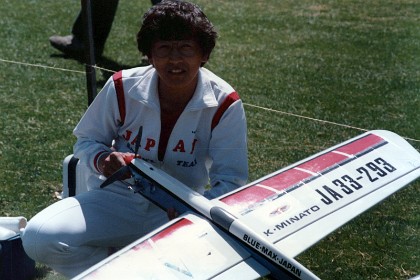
x=258 y=229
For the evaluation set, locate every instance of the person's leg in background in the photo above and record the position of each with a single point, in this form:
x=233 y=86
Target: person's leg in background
x=103 y=13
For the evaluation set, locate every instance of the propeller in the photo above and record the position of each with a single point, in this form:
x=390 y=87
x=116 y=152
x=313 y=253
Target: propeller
x=125 y=169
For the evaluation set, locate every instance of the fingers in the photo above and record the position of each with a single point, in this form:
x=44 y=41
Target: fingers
x=128 y=158
x=114 y=161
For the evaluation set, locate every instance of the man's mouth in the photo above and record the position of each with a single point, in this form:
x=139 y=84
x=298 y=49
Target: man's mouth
x=176 y=71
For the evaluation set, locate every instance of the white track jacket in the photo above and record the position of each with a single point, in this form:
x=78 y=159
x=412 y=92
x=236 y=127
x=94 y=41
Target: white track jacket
x=197 y=150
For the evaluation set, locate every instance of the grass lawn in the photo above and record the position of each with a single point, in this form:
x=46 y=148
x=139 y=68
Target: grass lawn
x=350 y=62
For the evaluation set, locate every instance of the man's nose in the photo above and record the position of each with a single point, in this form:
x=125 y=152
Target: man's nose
x=175 y=53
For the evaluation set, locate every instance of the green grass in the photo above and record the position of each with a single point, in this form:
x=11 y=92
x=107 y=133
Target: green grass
x=351 y=62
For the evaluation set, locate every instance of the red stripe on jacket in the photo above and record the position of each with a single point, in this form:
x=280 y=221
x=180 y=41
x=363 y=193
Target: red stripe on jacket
x=119 y=88
x=229 y=100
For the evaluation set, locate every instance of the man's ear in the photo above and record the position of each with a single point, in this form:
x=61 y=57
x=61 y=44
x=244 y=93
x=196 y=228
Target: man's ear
x=204 y=59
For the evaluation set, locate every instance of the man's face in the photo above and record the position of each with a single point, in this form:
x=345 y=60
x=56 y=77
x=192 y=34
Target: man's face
x=177 y=62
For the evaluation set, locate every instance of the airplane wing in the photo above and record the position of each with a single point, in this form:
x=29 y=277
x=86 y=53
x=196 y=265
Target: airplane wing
x=189 y=247
x=259 y=228
x=297 y=206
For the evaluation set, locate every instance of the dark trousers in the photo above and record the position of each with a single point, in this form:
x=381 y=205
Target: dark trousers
x=103 y=13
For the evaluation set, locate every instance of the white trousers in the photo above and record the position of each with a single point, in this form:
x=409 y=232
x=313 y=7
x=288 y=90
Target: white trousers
x=75 y=233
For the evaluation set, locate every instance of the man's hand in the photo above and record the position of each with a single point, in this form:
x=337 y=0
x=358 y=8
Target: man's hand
x=110 y=163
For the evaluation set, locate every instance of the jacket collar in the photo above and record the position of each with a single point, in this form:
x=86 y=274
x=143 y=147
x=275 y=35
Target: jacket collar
x=145 y=91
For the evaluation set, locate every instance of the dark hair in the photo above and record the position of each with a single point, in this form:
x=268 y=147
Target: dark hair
x=176 y=20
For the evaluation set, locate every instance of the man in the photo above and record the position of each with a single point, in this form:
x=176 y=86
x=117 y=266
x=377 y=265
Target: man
x=194 y=129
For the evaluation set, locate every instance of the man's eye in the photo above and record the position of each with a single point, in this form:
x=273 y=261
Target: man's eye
x=186 y=47
x=164 y=48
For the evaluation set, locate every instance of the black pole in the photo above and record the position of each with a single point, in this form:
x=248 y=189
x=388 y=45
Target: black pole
x=89 y=51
